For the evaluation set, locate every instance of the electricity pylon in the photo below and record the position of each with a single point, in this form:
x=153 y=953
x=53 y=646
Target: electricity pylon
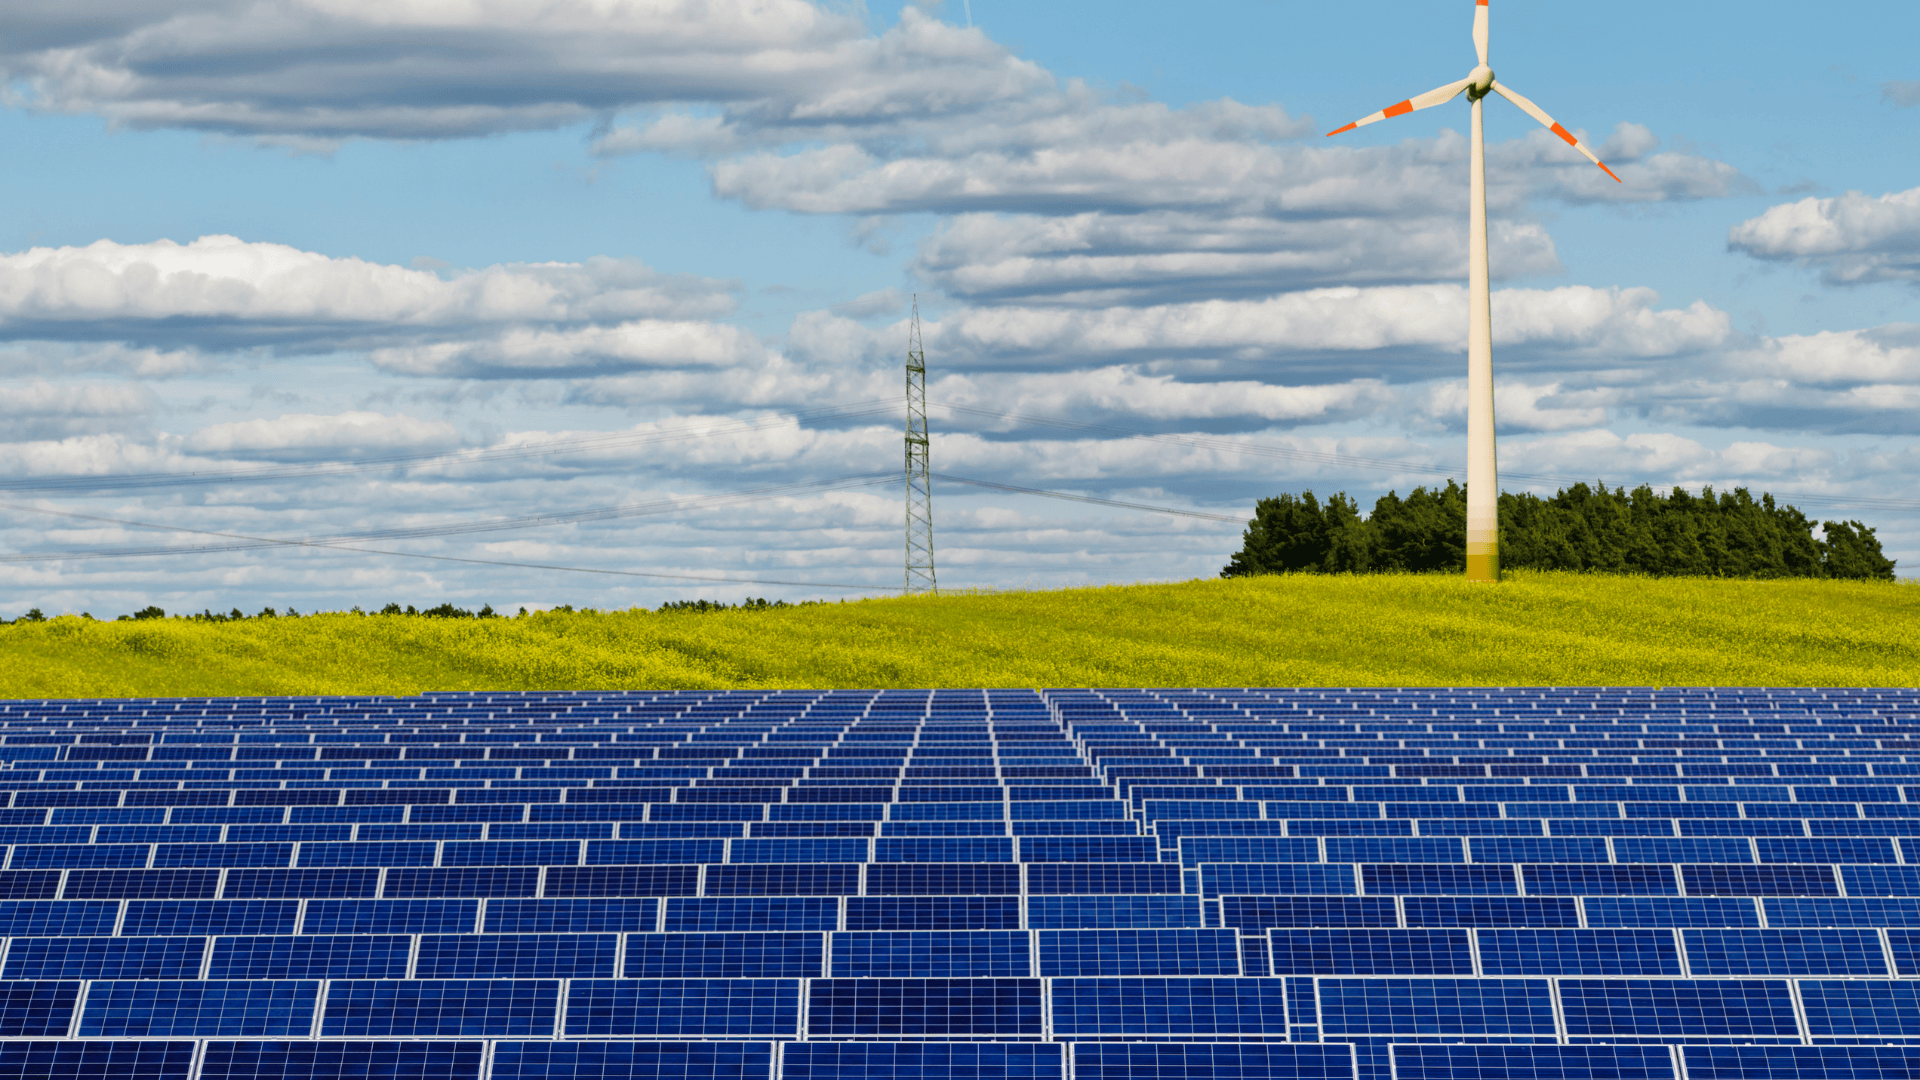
x=919 y=482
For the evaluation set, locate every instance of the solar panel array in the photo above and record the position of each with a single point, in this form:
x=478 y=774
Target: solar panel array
x=975 y=885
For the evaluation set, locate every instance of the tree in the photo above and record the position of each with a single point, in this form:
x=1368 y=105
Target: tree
x=1852 y=551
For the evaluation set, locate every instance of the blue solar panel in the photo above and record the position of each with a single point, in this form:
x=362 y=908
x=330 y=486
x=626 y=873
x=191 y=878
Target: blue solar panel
x=1587 y=879
x=1187 y=1006
x=104 y=958
x=684 y=1007
x=1802 y=1062
x=1579 y=952
x=942 y=879
x=402 y=1008
x=1275 y=879
x=1370 y=952
x=30 y=1009
x=1780 y=880
x=1802 y=951
x=1436 y=1007
x=338 y=1060
x=624 y=881
x=931 y=954
x=1861 y=1008
x=725 y=956
x=943 y=849
x=57 y=918
x=1673 y=911
x=95 y=1060
x=517 y=956
x=1546 y=912
x=933 y=913
x=311 y=956
x=137 y=1009
x=1887 y=911
x=751 y=913
x=1139 y=952
x=1113 y=912
x=1535 y=1062
x=176 y=917
x=923 y=1007
x=460 y=863
x=1210 y=1061
x=631 y=1061
x=815 y=879
x=922 y=1061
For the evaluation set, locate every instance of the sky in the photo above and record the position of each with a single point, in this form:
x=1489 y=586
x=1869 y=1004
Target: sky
x=321 y=303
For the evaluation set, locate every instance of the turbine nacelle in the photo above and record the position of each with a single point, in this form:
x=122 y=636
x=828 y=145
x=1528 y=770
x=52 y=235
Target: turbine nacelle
x=1479 y=82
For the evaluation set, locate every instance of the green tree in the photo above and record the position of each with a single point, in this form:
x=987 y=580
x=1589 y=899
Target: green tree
x=1852 y=551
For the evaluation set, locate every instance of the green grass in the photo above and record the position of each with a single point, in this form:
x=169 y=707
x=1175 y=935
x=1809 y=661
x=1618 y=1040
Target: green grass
x=1298 y=630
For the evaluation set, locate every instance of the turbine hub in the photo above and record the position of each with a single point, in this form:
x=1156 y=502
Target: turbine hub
x=1482 y=83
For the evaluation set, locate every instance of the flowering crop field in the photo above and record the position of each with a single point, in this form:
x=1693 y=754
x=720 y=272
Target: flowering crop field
x=1535 y=629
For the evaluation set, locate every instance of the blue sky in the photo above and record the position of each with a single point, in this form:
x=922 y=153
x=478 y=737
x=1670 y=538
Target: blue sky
x=461 y=229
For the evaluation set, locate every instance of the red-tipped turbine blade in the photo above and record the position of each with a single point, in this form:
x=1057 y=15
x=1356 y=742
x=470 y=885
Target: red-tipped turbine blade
x=1540 y=114
x=1480 y=29
x=1428 y=100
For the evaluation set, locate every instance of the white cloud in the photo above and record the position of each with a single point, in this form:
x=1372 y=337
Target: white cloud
x=1853 y=239
x=43 y=410
x=1161 y=256
x=414 y=69
x=304 y=435
x=525 y=352
x=1603 y=325
x=223 y=290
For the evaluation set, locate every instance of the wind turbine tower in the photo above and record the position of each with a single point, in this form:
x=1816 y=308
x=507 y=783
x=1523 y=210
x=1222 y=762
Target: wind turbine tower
x=1483 y=481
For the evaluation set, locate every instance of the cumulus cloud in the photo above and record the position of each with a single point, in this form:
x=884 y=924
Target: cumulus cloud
x=524 y=352
x=1100 y=259
x=415 y=69
x=299 y=436
x=44 y=410
x=1852 y=239
x=1415 y=322
x=230 y=291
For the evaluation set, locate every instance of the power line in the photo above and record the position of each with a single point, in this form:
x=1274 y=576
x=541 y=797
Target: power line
x=1086 y=499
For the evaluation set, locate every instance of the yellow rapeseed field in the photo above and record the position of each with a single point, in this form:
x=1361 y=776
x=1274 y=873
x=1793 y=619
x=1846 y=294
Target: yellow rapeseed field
x=1294 y=630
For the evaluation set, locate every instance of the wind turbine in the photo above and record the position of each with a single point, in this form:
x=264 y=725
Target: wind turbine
x=1483 y=482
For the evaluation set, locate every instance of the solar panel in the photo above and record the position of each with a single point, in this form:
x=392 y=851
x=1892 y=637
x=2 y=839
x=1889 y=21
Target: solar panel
x=1185 y=1006
x=1495 y=882
x=923 y=1007
x=1139 y=952
x=1436 y=1007
x=684 y=1007
x=147 y=1008
x=311 y=956
x=930 y=954
x=335 y=1060
x=725 y=956
x=403 y=1008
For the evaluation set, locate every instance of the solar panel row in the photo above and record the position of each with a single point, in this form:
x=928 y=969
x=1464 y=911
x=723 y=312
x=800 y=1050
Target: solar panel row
x=1351 y=884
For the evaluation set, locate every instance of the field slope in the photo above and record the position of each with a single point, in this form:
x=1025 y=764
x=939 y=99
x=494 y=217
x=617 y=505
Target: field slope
x=1304 y=630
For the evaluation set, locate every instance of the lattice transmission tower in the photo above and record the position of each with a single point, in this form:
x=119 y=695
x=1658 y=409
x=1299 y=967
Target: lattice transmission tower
x=919 y=483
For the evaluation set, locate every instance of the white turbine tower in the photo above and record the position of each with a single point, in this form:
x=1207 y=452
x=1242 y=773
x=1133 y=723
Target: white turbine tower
x=1483 y=483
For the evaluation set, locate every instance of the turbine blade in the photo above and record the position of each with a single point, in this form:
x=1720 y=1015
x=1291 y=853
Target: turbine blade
x=1480 y=29
x=1437 y=96
x=1540 y=114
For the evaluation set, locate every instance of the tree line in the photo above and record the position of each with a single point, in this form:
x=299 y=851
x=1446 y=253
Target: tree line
x=1731 y=534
